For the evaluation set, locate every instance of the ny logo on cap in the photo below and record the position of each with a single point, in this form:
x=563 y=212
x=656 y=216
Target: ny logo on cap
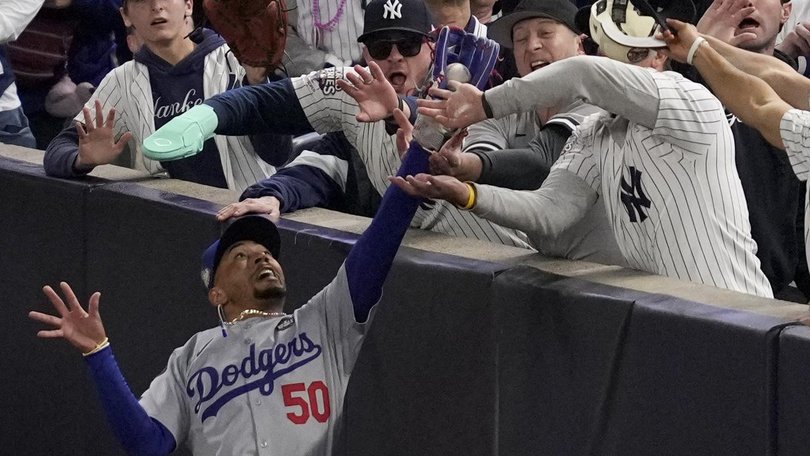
x=392 y=10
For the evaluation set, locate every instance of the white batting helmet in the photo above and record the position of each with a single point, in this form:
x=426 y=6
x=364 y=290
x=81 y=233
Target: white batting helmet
x=620 y=27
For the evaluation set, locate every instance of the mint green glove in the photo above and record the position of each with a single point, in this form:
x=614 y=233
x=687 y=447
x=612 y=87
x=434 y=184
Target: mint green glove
x=182 y=136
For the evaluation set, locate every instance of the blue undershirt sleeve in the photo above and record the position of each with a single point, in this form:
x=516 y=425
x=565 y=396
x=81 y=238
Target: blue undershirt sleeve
x=138 y=433
x=260 y=109
x=371 y=257
x=61 y=153
x=297 y=187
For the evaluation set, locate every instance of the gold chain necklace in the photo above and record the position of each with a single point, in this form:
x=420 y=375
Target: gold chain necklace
x=247 y=313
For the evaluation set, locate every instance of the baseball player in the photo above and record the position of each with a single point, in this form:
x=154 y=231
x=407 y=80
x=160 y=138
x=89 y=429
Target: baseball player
x=170 y=74
x=398 y=42
x=662 y=163
x=264 y=382
x=778 y=106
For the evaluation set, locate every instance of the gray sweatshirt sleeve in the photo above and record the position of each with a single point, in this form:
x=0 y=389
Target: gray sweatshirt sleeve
x=626 y=90
x=61 y=153
x=562 y=201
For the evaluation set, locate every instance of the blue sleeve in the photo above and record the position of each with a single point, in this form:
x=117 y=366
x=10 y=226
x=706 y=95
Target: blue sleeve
x=272 y=148
x=262 y=108
x=297 y=187
x=371 y=257
x=138 y=433
x=61 y=153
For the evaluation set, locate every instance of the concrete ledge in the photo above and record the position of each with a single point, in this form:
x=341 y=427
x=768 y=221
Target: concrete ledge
x=466 y=248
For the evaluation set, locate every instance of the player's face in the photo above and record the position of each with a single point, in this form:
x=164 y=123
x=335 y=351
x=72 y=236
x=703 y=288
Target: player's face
x=764 y=22
x=403 y=57
x=540 y=41
x=248 y=272
x=158 y=21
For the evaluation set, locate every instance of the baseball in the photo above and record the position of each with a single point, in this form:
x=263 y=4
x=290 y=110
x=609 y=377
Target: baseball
x=457 y=72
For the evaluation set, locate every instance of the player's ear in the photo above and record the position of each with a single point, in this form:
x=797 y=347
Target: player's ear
x=217 y=296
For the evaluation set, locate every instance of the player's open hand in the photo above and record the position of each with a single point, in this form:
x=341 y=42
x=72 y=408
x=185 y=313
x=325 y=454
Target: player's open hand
x=679 y=42
x=83 y=329
x=97 y=144
x=723 y=18
x=454 y=109
x=375 y=96
x=268 y=205
x=449 y=160
x=434 y=187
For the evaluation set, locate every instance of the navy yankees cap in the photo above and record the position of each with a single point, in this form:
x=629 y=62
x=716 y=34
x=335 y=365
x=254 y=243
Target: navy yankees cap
x=256 y=228
x=396 y=15
x=562 y=11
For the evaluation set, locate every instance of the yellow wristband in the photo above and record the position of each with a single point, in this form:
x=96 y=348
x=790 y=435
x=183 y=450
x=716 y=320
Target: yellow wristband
x=101 y=346
x=471 y=199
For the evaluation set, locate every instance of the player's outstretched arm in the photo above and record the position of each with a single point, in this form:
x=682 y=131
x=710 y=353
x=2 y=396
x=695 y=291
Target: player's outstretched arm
x=747 y=96
x=138 y=433
x=256 y=109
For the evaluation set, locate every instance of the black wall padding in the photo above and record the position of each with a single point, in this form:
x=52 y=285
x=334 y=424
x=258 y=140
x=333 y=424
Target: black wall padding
x=693 y=379
x=793 y=419
x=559 y=343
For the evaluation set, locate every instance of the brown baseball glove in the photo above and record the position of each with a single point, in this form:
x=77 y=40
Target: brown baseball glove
x=256 y=30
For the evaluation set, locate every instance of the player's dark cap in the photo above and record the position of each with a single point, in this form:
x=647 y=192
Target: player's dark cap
x=396 y=15
x=254 y=228
x=562 y=11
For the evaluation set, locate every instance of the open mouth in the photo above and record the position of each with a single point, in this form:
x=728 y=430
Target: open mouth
x=397 y=79
x=539 y=64
x=267 y=273
x=159 y=21
x=748 y=23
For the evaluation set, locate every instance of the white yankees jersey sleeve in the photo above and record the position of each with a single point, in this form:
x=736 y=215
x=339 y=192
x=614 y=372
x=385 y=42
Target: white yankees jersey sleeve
x=272 y=386
x=329 y=109
x=795 y=132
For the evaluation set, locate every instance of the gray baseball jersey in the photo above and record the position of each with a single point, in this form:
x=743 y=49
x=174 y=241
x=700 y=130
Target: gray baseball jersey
x=278 y=391
x=663 y=167
x=330 y=109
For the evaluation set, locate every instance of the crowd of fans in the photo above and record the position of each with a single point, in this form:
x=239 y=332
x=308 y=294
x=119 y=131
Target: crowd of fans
x=88 y=105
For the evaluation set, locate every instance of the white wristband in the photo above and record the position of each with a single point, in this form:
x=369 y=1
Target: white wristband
x=693 y=50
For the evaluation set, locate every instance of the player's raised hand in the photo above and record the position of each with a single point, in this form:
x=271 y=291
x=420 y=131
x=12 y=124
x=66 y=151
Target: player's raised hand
x=680 y=42
x=83 y=329
x=447 y=188
x=448 y=161
x=269 y=205
x=97 y=144
x=723 y=17
x=375 y=96
x=454 y=109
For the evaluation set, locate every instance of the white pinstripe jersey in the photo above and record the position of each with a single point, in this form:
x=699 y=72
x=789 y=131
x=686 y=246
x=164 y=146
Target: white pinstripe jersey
x=672 y=192
x=127 y=89
x=795 y=132
x=271 y=387
x=341 y=41
x=330 y=109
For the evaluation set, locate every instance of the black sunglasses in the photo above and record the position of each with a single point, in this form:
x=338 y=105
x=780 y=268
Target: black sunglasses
x=408 y=47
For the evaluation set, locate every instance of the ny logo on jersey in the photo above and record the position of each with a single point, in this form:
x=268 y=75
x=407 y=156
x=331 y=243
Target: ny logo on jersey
x=634 y=198
x=392 y=10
